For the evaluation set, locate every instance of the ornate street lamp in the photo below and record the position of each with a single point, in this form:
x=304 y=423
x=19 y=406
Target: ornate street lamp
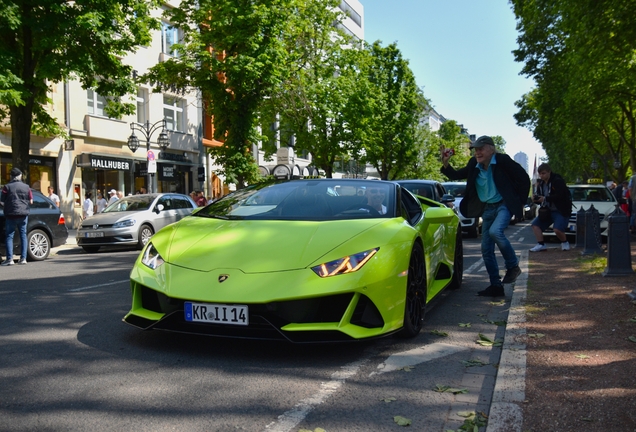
x=594 y=165
x=147 y=130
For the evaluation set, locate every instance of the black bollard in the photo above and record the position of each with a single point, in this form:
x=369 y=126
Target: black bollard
x=619 y=252
x=580 y=228
x=592 y=232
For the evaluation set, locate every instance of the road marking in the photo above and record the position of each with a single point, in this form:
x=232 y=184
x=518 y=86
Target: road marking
x=99 y=286
x=472 y=268
x=416 y=356
x=290 y=419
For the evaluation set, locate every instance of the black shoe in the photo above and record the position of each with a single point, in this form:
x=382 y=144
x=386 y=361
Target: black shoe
x=511 y=275
x=492 y=291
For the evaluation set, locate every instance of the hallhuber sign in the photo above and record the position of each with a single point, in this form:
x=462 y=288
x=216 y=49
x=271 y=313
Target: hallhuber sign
x=102 y=162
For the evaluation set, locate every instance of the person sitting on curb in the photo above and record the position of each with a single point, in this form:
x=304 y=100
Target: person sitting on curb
x=553 y=193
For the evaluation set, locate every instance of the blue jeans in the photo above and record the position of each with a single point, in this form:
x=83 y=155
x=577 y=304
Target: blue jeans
x=10 y=226
x=494 y=221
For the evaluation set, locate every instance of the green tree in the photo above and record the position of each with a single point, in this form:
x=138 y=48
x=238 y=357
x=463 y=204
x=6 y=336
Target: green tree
x=500 y=143
x=324 y=95
x=389 y=133
x=583 y=105
x=234 y=53
x=43 y=42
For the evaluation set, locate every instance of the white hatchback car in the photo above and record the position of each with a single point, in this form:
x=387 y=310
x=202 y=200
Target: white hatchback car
x=133 y=220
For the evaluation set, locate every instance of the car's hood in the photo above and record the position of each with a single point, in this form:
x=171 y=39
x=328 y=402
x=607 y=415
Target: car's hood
x=253 y=246
x=110 y=218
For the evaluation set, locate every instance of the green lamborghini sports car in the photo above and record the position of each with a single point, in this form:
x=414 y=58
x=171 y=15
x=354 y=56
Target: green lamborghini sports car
x=311 y=260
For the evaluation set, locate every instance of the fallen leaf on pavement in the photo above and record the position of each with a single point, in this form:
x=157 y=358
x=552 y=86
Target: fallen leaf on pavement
x=536 y=335
x=439 y=333
x=388 y=399
x=402 y=421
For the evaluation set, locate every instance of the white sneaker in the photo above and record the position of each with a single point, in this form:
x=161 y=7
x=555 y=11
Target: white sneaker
x=7 y=262
x=565 y=246
x=539 y=247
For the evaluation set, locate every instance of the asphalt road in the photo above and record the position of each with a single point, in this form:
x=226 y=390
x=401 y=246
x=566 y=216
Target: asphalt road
x=68 y=362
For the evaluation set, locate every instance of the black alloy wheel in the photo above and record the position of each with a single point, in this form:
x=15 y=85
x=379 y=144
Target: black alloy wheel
x=415 y=306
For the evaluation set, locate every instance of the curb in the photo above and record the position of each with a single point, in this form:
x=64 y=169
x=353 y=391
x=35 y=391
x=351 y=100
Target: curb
x=506 y=412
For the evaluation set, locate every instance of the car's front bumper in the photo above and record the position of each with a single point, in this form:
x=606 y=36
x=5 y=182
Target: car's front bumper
x=108 y=236
x=294 y=305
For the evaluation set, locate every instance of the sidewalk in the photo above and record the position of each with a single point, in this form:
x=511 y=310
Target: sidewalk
x=567 y=362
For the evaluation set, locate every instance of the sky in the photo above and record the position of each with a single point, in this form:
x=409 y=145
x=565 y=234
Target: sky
x=461 y=54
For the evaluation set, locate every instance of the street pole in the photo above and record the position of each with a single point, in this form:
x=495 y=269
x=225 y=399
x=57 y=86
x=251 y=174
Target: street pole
x=147 y=130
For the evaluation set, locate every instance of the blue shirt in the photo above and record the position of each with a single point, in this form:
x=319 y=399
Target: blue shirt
x=486 y=189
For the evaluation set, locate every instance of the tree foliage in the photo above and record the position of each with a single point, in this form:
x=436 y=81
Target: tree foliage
x=233 y=52
x=324 y=94
x=389 y=136
x=581 y=55
x=48 y=41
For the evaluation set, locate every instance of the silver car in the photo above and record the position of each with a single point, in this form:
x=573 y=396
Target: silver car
x=133 y=220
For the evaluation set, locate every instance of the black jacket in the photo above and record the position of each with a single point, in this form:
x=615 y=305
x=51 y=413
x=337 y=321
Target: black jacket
x=559 y=194
x=16 y=197
x=511 y=180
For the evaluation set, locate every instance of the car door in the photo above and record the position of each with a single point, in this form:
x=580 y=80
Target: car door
x=168 y=214
x=183 y=206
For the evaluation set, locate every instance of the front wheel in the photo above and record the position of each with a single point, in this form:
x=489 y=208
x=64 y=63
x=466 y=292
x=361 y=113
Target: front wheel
x=144 y=236
x=39 y=245
x=415 y=304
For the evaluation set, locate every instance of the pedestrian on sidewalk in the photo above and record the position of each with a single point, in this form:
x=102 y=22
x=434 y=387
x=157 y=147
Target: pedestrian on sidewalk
x=497 y=188
x=88 y=206
x=553 y=194
x=16 y=197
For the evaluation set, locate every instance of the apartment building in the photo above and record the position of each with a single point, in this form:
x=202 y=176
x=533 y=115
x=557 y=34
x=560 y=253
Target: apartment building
x=97 y=157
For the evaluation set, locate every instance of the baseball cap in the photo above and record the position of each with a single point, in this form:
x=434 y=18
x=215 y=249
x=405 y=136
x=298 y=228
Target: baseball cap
x=482 y=141
x=112 y=191
x=15 y=172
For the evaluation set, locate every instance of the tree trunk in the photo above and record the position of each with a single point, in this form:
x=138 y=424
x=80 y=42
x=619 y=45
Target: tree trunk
x=21 y=122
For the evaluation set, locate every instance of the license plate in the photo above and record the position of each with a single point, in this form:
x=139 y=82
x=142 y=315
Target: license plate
x=216 y=313
x=93 y=234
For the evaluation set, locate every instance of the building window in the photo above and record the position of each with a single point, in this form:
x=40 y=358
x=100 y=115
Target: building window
x=95 y=103
x=173 y=113
x=169 y=36
x=351 y=13
x=142 y=105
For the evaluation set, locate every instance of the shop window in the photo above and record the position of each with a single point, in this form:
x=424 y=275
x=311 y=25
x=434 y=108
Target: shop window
x=173 y=108
x=95 y=103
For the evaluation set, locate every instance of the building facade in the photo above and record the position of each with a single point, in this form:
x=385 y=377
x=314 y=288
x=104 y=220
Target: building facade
x=97 y=159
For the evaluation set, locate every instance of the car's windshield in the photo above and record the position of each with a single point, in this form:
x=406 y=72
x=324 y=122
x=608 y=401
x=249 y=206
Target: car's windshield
x=314 y=199
x=133 y=203
x=599 y=194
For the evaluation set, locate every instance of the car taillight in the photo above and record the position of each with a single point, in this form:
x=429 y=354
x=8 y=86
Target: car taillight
x=61 y=220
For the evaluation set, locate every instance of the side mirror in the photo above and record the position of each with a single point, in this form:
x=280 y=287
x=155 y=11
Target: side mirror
x=159 y=208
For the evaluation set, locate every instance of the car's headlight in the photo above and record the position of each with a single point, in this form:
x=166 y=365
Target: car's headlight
x=346 y=264
x=151 y=257
x=124 y=223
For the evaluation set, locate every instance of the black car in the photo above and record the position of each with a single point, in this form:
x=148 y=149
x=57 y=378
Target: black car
x=430 y=189
x=46 y=229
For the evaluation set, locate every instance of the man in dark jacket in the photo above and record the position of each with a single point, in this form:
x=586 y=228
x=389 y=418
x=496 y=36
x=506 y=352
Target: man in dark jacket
x=553 y=193
x=497 y=188
x=17 y=198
